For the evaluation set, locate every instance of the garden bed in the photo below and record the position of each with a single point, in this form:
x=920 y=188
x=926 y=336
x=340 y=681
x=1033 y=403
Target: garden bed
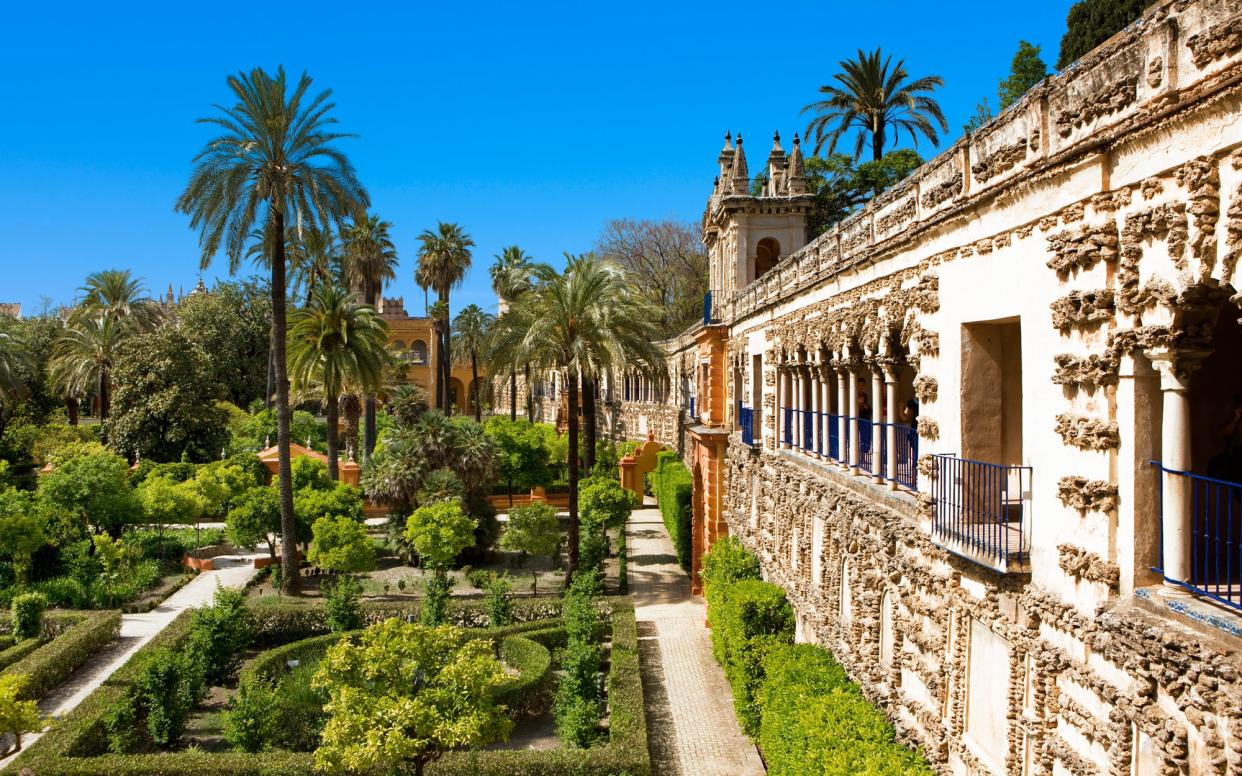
x=68 y=640
x=76 y=744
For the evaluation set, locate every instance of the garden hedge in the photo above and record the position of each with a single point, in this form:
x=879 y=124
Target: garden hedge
x=816 y=722
x=70 y=743
x=18 y=651
x=672 y=486
x=53 y=661
x=798 y=703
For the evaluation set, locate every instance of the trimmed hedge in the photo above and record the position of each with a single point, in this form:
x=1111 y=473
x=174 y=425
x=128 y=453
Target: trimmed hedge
x=18 y=651
x=53 y=662
x=69 y=745
x=808 y=718
x=673 y=487
x=816 y=722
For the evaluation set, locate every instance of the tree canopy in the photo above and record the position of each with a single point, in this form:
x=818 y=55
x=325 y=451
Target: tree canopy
x=1091 y=22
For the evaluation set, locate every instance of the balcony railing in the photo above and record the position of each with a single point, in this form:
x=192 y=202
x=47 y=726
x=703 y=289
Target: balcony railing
x=1215 y=537
x=788 y=426
x=711 y=314
x=906 y=443
x=693 y=414
x=982 y=509
x=746 y=419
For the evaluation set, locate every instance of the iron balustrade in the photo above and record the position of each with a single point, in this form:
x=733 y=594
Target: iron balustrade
x=834 y=438
x=692 y=413
x=788 y=418
x=808 y=430
x=983 y=507
x=1215 y=536
x=710 y=313
x=906 y=443
x=870 y=450
x=746 y=419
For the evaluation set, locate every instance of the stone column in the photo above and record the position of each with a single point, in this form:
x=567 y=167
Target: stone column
x=782 y=398
x=817 y=409
x=825 y=387
x=843 y=403
x=877 y=417
x=1175 y=513
x=890 y=411
x=855 y=450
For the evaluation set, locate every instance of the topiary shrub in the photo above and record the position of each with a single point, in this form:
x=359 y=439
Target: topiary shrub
x=219 y=633
x=815 y=721
x=673 y=487
x=28 y=614
x=253 y=718
x=499 y=600
x=166 y=690
x=341 y=602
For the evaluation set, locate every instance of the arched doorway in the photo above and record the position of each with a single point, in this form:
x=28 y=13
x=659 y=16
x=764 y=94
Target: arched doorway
x=767 y=254
x=458 y=400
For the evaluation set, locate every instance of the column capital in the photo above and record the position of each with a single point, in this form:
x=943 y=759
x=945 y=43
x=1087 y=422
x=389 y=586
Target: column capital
x=1176 y=365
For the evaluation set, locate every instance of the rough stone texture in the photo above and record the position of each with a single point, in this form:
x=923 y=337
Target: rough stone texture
x=1087 y=495
x=1080 y=309
x=1085 y=370
x=1087 y=433
x=946 y=189
x=999 y=161
x=1082 y=564
x=1082 y=247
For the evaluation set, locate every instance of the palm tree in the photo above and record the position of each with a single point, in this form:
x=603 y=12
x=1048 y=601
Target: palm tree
x=875 y=98
x=334 y=341
x=14 y=360
x=276 y=161
x=370 y=260
x=587 y=320
x=83 y=354
x=473 y=325
x=315 y=260
x=117 y=294
x=512 y=275
x=443 y=261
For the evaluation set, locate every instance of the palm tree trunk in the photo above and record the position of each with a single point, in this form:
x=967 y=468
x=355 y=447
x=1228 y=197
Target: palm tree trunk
x=280 y=373
x=368 y=406
x=530 y=406
x=474 y=386
x=513 y=395
x=333 y=416
x=588 y=418
x=572 y=536
x=71 y=409
x=446 y=349
x=271 y=378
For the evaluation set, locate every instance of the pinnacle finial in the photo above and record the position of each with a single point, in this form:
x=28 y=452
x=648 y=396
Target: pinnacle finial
x=797 y=141
x=776 y=137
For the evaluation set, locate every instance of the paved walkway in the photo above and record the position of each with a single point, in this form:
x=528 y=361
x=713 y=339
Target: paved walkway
x=137 y=630
x=691 y=726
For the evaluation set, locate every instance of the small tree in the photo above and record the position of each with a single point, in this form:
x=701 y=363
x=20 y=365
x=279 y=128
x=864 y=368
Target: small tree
x=17 y=716
x=20 y=537
x=256 y=518
x=28 y=614
x=439 y=532
x=402 y=694
x=1026 y=70
x=341 y=544
x=220 y=632
x=524 y=456
x=533 y=530
x=605 y=503
x=93 y=488
x=165 y=502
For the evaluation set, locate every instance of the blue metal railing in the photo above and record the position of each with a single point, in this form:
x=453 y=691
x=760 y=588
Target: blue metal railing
x=1215 y=537
x=906 y=440
x=788 y=427
x=709 y=308
x=746 y=419
x=983 y=507
x=692 y=412
x=870 y=449
x=834 y=437
x=808 y=430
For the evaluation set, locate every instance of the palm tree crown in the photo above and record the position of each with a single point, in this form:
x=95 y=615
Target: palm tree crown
x=274 y=165
x=334 y=341
x=370 y=256
x=443 y=261
x=472 y=327
x=874 y=97
x=117 y=294
x=83 y=355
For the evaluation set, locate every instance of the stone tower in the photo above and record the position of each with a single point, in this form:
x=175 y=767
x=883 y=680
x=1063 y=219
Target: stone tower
x=747 y=235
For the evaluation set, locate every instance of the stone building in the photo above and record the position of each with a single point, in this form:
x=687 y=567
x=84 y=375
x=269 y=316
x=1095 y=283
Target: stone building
x=983 y=431
x=413 y=341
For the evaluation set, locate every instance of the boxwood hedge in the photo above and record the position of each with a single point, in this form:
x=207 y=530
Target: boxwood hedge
x=72 y=744
x=52 y=661
x=673 y=486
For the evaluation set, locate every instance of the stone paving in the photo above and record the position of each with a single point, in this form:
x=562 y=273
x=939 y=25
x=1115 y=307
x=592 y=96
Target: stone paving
x=692 y=729
x=137 y=630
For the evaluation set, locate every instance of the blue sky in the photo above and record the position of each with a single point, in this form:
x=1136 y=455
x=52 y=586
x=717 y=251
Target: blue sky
x=528 y=124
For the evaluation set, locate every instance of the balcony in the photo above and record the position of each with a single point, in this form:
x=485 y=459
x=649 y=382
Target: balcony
x=983 y=511
x=823 y=429
x=1214 y=536
x=746 y=419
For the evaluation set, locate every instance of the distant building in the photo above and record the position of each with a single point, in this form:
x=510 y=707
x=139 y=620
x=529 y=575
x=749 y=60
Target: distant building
x=11 y=309
x=413 y=341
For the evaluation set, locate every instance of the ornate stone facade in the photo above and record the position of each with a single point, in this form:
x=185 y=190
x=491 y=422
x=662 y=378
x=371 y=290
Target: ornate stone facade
x=1055 y=297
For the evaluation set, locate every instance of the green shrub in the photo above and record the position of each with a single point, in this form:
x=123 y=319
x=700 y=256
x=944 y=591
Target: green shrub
x=578 y=700
x=815 y=721
x=673 y=487
x=341 y=602
x=121 y=724
x=754 y=617
x=219 y=633
x=577 y=721
x=499 y=598
x=28 y=614
x=253 y=718
x=18 y=650
x=52 y=663
x=479 y=579
x=436 y=592
x=65 y=592
x=166 y=691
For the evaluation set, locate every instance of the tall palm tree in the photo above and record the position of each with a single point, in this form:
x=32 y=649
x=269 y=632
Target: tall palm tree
x=117 y=294
x=443 y=261
x=874 y=96
x=276 y=161
x=370 y=260
x=334 y=341
x=587 y=320
x=512 y=274
x=472 y=327
x=83 y=354
x=315 y=260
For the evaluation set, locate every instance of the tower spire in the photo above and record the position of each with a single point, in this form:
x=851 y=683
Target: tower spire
x=797 y=168
x=741 y=175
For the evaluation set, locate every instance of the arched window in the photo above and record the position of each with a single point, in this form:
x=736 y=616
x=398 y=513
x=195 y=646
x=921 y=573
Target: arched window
x=767 y=254
x=418 y=352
